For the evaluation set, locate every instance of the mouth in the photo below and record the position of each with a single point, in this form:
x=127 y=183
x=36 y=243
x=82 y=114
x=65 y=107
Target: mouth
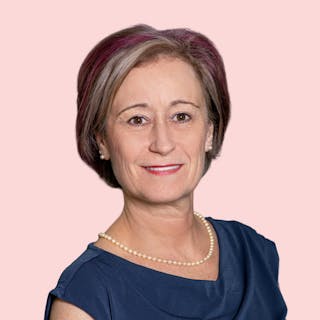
x=163 y=170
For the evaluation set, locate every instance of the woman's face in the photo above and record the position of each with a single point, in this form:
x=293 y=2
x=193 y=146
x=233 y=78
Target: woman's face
x=158 y=131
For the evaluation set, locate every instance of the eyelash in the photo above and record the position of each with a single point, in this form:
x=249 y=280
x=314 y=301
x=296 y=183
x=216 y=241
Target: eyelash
x=130 y=121
x=184 y=114
x=141 y=117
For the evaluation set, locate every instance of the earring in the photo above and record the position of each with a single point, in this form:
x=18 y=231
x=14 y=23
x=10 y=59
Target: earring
x=101 y=155
x=209 y=148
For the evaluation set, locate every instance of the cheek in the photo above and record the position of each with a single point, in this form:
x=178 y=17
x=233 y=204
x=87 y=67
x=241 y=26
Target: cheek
x=194 y=145
x=124 y=152
x=194 y=139
x=120 y=162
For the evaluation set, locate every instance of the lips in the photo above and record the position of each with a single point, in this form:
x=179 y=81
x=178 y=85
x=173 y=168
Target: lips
x=163 y=169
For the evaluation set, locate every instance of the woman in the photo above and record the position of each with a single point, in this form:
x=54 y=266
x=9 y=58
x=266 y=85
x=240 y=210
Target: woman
x=153 y=107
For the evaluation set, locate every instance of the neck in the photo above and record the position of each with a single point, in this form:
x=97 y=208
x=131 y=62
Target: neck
x=161 y=229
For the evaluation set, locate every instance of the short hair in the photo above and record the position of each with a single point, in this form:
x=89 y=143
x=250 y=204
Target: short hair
x=110 y=61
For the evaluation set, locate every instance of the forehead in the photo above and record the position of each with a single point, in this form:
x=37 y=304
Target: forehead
x=163 y=78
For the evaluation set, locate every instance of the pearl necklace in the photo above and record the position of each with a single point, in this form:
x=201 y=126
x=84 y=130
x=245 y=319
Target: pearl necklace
x=172 y=262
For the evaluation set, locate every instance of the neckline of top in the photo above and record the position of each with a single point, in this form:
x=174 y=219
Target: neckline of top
x=124 y=262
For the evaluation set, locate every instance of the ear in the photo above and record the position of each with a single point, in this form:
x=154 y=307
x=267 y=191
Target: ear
x=209 y=137
x=103 y=147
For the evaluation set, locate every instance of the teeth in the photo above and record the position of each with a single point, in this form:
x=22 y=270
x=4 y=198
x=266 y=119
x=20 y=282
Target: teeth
x=163 y=168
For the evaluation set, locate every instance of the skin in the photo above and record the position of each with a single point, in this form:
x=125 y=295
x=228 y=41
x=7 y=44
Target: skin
x=157 y=212
x=62 y=310
x=156 y=134
x=168 y=125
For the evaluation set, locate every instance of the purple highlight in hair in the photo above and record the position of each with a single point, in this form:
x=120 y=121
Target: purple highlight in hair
x=97 y=59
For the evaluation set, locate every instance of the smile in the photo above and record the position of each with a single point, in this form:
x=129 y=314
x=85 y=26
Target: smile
x=163 y=170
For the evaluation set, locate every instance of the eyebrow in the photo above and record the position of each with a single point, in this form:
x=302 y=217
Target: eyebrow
x=145 y=105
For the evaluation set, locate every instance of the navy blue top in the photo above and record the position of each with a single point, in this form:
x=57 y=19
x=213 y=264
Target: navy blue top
x=107 y=286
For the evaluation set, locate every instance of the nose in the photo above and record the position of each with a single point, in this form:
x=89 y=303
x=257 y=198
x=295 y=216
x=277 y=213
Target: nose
x=162 y=140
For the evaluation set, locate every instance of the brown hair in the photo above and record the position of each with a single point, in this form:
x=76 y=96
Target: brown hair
x=109 y=62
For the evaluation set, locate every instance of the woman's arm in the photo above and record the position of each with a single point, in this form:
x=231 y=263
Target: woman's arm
x=62 y=310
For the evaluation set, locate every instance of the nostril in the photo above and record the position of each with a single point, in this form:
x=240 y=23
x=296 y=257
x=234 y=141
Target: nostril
x=162 y=147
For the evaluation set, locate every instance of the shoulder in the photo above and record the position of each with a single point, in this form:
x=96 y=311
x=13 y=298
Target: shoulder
x=247 y=240
x=84 y=284
x=85 y=269
x=61 y=310
x=238 y=230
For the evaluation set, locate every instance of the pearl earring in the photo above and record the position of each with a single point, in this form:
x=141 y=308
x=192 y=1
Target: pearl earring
x=209 y=148
x=101 y=155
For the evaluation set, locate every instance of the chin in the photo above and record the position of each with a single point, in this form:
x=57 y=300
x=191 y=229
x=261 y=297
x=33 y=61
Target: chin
x=165 y=196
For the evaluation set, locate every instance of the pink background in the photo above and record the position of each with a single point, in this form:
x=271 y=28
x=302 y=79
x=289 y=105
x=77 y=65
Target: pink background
x=267 y=176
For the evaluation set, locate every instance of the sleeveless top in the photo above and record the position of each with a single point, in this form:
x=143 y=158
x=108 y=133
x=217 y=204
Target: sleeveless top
x=107 y=286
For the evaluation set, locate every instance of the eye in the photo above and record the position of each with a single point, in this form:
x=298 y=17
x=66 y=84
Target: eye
x=182 y=117
x=137 y=121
